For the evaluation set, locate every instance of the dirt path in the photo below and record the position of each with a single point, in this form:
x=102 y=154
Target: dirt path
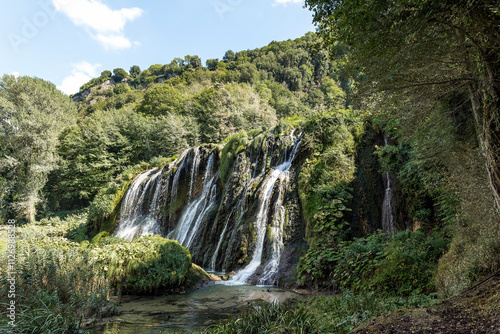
x=475 y=311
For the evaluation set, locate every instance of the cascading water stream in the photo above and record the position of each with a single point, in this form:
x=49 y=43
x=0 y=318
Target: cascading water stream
x=271 y=268
x=260 y=225
x=153 y=194
x=197 y=209
x=175 y=182
x=241 y=211
x=387 y=216
x=194 y=170
x=135 y=219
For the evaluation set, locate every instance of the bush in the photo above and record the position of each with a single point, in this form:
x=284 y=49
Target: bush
x=143 y=266
x=269 y=318
x=398 y=266
x=57 y=287
x=341 y=314
x=319 y=314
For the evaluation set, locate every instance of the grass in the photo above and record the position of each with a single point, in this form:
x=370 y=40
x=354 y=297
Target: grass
x=57 y=287
x=3 y=237
x=63 y=285
x=317 y=314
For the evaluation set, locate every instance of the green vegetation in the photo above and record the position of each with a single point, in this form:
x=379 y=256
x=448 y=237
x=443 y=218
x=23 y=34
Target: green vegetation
x=63 y=285
x=444 y=118
x=32 y=115
x=402 y=46
x=269 y=318
x=400 y=266
x=144 y=266
x=324 y=189
x=58 y=288
x=319 y=314
x=371 y=96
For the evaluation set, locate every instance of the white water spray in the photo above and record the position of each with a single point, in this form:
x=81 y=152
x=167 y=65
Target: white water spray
x=260 y=225
x=387 y=216
x=135 y=219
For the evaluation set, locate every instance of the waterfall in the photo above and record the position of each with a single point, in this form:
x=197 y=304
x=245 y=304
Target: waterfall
x=185 y=196
x=175 y=183
x=214 y=257
x=194 y=170
x=271 y=268
x=261 y=222
x=387 y=216
x=135 y=218
x=241 y=211
x=154 y=202
x=196 y=209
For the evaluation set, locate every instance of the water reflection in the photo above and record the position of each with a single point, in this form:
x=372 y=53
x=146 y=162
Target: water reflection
x=188 y=312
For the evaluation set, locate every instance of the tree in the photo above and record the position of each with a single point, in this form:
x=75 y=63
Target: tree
x=248 y=73
x=422 y=50
x=105 y=75
x=193 y=61
x=334 y=95
x=135 y=71
x=229 y=56
x=119 y=74
x=212 y=64
x=161 y=100
x=32 y=115
x=107 y=142
x=156 y=69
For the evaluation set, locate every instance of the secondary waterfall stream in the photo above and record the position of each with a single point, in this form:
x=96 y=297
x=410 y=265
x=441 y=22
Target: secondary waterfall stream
x=279 y=172
x=387 y=215
x=133 y=220
x=187 y=200
x=196 y=210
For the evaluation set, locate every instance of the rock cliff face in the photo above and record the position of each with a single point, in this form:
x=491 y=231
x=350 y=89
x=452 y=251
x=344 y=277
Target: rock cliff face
x=235 y=208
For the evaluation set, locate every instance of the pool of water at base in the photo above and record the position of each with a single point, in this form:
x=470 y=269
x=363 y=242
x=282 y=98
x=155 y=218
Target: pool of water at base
x=192 y=311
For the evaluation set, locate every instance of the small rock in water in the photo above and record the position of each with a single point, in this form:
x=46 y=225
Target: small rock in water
x=157 y=313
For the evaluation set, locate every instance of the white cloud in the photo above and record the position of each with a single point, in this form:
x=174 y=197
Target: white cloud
x=104 y=24
x=113 y=41
x=81 y=73
x=285 y=2
x=15 y=74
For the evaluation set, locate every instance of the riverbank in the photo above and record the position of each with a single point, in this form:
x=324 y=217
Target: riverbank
x=193 y=311
x=476 y=310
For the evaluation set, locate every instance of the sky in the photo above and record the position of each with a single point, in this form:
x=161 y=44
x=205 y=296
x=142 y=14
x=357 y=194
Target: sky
x=68 y=42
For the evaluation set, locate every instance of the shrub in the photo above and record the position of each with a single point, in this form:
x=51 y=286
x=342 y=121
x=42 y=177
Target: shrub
x=145 y=265
x=269 y=318
x=57 y=287
x=398 y=266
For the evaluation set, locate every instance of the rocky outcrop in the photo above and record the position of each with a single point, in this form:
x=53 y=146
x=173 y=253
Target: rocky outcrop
x=225 y=205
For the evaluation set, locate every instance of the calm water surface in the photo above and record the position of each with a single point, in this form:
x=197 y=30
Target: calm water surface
x=192 y=311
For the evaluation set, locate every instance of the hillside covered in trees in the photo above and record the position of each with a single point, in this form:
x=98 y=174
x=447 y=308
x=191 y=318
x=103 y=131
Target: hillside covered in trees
x=350 y=165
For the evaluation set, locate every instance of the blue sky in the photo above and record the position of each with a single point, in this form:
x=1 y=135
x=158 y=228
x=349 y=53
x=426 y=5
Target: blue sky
x=69 y=41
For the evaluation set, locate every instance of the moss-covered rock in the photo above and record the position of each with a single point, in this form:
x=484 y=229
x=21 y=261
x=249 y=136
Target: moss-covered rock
x=146 y=265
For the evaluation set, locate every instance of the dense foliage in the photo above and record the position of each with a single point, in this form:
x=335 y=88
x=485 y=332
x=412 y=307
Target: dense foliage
x=58 y=288
x=144 y=266
x=418 y=52
x=32 y=115
x=63 y=285
x=324 y=189
x=409 y=91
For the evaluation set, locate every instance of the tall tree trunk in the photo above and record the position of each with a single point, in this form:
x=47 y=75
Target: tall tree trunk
x=486 y=107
